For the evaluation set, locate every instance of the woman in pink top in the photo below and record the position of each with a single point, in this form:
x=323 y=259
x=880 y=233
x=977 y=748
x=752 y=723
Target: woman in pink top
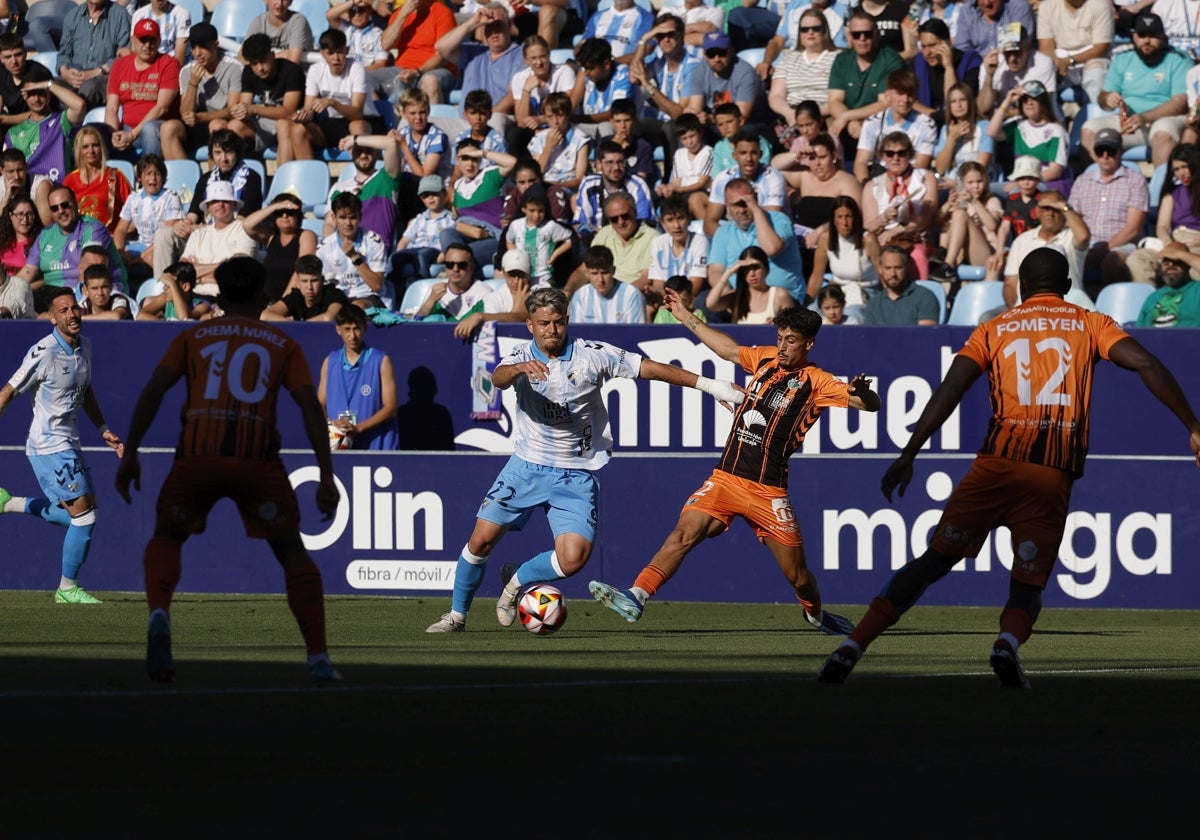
x=19 y=228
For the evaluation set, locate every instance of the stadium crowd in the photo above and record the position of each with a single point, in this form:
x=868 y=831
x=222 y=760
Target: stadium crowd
x=871 y=161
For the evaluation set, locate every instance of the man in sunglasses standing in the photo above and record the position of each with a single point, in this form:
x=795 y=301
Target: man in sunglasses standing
x=857 y=79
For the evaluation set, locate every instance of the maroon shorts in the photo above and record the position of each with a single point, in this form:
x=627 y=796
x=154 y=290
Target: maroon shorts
x=260 y=489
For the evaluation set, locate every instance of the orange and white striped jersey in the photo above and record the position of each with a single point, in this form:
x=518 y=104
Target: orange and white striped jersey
x=234 y=368
x=1040 y=358
x=779 y=409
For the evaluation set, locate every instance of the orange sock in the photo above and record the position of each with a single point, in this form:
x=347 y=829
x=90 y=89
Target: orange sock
x=880 y=616
x=650 y=579
x=810 y=607
x=162 y=565
x=306 y=598
x=1016 y=622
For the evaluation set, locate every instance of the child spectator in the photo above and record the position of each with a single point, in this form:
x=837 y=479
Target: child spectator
x=272 y=93
x=638 y=152
x=312 y=300
x=100 y=301
x=602 y=82
x=145 y=211
x=561 y=149
x=605 y=300
x=420 y=247
x=477 y=107
x=729 y=120
x=335 y=93
x=353 y=257
x=545 y=240
x=478 y=199
x=691 y=172
x=176 y=302
x=525 y=174
x=679 y=251
x=831 y=300
x=357 y=387
x=1021 y=206
x=900 y=96
x=423 y=146
x=681 y=286
x=364 y=40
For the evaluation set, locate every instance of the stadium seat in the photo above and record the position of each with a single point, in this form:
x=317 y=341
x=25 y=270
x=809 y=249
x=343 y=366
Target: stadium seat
x=974 y=299
x=51 y=14
x=49 y=60
x=314 y=11
x=1133 y=153
x=195 y=8
x=415 y=295
x=94 y=117
x=940 y=293
x=972 y=272
x=148 y=289
x=562 y=55
x=1123 y=301
x=448 y=118
x=496 y=283
x=1156 y=184
x=308 y=179
x=753 y=56
x=182 y=176
x=126 y=169
x=232 y=19
x=257 y=166
x=316 y=225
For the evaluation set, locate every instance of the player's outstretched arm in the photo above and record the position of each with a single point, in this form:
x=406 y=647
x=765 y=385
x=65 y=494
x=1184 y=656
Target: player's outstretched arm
x=962 y=374
x=715 y=340
x=726 y=392
x=129 y=471
x=317 y=431
x=1158 y=379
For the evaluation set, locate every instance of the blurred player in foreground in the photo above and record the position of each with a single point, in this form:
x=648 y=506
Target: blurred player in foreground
x=234 y=367
x=562 y=439
x=1039 y=358
x=785 y=396
x=59 y=371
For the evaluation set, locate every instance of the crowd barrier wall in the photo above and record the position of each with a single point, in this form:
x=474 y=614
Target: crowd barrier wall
x=404 y=516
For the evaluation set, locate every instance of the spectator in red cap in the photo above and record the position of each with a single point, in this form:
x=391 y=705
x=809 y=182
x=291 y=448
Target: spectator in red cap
x=143 y=90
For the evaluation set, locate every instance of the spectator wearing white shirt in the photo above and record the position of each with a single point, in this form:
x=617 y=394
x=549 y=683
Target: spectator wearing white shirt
x=364 y=40
x=222 y=239
x=145 y=211
x=335 y=93
x=354 y=258
x=531 y=86
x=174 y=23
x=604 y=300
x=691 y=172
x=679 y=251
x=562 y=149
x=768 y=182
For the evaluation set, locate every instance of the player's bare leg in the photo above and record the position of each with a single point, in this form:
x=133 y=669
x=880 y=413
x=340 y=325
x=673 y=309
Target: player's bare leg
x=794 y=565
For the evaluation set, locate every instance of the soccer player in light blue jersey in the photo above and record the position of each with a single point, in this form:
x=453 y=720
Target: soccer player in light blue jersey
x=58 y=370
x=562 y=440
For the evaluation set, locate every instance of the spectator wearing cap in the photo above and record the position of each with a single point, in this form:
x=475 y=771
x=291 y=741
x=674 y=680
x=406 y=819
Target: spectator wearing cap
x=174 y=23
x=143 y=92
x=210 y=83
x=94 y=33
x=979 y=23
x=1014 y=63
x=1113 y=200
x=1147 y=87
x=1078 y=35
x=726 y=78
x=291 y=36
x=857 y=80
x=42 y=137
x=223 y=238
x=420 y=246
x=505 y=304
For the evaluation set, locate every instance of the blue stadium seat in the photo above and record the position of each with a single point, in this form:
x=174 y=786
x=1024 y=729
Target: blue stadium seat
x=1134 y=153
x=232 y=19
x=196 y=9
x=308 y=179
x=182 y=176
x=1123 y=301
x=1156 y=184
x=940 y=293
x=974 y=299
x=47 y=15
x=753 y=56
x=316 y=225
x=126 y=169
x=562 y=55
x=415 y=295
x=314 y=11
x=94 y=117
x=972 y=272
x=49 y=59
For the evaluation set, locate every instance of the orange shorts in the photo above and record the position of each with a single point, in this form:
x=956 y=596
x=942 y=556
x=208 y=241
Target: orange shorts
x=767 y=509
x=260 y=489
x=1030 y=499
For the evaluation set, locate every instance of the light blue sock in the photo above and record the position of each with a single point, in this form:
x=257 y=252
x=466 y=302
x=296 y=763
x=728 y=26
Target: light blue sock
x=76 y=545
x=468 y=574
x=540 y=568
x=52 y=513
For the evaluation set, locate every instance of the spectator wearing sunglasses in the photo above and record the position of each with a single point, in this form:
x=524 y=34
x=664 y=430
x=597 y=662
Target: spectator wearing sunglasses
x=460 y=294
x=726 y=78
x=857 y=80
x=278 y=227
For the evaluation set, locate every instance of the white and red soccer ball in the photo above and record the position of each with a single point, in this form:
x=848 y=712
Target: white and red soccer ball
x=542 y=609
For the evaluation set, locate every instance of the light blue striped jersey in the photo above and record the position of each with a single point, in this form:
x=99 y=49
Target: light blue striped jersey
x=626 y=305
x=59 y=376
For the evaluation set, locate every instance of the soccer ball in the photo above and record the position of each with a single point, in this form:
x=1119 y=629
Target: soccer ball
x=339 y=439
x=542 y=609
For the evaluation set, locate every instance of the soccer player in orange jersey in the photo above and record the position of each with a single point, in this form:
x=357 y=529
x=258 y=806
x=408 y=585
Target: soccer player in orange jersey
x=785 y=396
x=1039 y=358
x=234 y=368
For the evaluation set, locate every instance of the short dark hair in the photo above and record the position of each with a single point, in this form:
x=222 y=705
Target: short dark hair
x=600 y=258
x=727 y=109
x=59 y=291
x=184 y=273
x=744 y=135
x=460 y=246
x=13 y=155
x=801 y=319
x=674 y=205
x=624 y=106
x=468 y=143
x=257 y=48
x=332 y=39
x=240 y=279
x=557 y=103
x=935 y=27
x=310 y=265
x=94 y=248
x=150 y=160
x=609 y=147
x=688 y=122
x=593 y=52
x=227 y=139
x=346 y=201
x=478 y=100
x=678 y=283
x=95 y=272
x=12 y=41
x=1044 y=270
x=351 y=315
